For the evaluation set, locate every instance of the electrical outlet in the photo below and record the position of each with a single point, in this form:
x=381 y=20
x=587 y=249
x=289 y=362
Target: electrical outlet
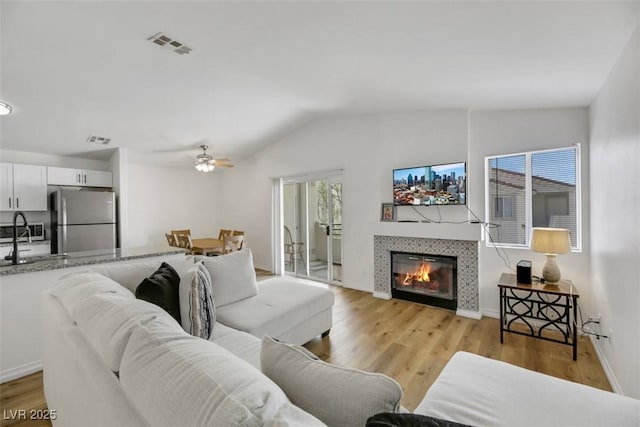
x=595 y=319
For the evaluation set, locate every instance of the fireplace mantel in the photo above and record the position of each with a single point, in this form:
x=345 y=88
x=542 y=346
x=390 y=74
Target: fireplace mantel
x=430 y=230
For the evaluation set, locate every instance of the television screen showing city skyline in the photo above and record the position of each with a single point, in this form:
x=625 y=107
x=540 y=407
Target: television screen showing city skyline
x=434 y=185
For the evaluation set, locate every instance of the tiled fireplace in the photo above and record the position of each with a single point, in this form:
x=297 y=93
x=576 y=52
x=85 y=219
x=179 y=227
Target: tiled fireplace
x=464 y=252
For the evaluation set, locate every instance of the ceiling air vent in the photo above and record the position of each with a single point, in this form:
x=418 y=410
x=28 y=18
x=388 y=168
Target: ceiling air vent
x=170 y=43
x=100 y=140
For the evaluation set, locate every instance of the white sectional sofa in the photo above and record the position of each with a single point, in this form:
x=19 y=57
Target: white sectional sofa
x=113 y=360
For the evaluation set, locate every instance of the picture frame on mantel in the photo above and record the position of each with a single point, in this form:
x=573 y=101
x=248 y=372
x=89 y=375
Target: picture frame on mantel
x=388 y=212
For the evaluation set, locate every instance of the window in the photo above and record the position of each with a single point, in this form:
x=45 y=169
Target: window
x=505 y=207
x=533 y=189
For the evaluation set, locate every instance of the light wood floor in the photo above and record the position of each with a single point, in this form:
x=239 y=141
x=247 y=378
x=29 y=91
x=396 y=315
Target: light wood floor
x=407 y=341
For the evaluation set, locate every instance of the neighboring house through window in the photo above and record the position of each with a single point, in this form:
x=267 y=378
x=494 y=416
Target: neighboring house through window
x=533 y=189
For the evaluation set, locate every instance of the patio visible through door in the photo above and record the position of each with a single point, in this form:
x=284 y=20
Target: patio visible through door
x=312 y=227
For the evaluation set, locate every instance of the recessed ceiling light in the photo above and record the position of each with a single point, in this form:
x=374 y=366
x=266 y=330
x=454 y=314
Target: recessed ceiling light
x=5 y=109
x=170 y=43
x=101 y=140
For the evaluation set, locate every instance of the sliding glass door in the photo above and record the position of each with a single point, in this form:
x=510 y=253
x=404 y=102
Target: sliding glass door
x=312 y=227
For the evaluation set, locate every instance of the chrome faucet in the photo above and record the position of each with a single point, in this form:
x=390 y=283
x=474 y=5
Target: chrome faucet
x=15 y=255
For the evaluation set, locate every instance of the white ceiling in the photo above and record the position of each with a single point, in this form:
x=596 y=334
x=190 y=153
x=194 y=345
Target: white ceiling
x=259 y=69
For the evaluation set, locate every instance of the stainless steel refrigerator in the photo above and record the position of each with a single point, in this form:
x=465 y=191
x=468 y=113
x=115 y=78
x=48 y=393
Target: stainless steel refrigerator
x=83 y=221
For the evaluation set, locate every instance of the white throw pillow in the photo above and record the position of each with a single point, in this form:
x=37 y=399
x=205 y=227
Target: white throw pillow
x=193 y=382
x=107 y=321
x=337 y=396
x=233 y=277
x=197 y=310
x=130 y=274
x=74 y=288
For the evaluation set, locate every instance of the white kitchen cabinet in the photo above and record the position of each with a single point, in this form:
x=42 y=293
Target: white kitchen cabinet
x=23 y=188
x=64 y=176
x=78 y=177
x=97 y=178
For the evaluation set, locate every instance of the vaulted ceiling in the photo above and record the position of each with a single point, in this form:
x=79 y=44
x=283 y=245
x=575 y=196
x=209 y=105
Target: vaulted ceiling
x=258 y=69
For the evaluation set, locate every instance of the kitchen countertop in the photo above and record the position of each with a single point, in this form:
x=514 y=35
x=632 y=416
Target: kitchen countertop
x=76 y=259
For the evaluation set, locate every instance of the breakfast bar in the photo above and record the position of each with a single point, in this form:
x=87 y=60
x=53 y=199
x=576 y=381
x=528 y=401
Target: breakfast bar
x=21 y=288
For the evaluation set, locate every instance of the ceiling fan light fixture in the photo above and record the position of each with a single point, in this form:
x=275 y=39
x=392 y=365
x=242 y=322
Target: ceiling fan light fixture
x=204 y=167
x=5 y=109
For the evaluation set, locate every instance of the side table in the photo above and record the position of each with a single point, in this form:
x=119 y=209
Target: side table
x=540 y=307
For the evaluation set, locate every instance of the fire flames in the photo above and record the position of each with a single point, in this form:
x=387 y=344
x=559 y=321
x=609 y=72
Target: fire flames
x=420 y=278
x=420 y=275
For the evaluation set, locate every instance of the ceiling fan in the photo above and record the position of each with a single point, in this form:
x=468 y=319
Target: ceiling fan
x=206 y=163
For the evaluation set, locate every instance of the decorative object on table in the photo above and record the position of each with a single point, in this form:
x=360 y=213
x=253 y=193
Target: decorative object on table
x=388 y=212
x=552 y=242
x=523 y=272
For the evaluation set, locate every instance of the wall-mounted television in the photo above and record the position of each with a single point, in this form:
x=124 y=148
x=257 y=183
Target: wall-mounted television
x=434 y=185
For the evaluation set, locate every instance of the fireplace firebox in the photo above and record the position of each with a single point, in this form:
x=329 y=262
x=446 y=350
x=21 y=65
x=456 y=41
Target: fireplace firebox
x=424 y=278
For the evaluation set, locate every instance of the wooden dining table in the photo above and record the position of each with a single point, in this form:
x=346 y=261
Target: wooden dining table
x=206 y=245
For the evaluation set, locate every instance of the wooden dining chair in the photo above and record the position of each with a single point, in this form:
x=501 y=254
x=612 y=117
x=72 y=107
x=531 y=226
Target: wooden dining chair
x=184 y=241
x=233 y=243
x=187 y=232
x=230 y=244
x=239 y=233
x=224 y=233
x=171 y=239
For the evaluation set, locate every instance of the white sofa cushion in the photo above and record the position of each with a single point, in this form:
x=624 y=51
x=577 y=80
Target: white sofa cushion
x=233 y=277
x=107 y=320
x=244 y=345
x=337 y=396
x=479 y=391
x=130 y=274
x=281 y=304
x=74 y=288
x=196 y=382
x=197 y=311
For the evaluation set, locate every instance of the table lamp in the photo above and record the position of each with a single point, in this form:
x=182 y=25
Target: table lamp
x=550 y=241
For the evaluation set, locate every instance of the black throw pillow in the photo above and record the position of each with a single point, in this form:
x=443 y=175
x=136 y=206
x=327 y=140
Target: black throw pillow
x=161 y=289
x=388 y=419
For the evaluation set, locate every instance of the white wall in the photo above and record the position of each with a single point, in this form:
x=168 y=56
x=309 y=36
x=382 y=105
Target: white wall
x=367 y=147
x=161 y=199
x=504 y=132
x=615 y=210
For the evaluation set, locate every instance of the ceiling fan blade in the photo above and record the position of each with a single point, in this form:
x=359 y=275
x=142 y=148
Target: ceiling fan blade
x=223 y=160
x=224 y=165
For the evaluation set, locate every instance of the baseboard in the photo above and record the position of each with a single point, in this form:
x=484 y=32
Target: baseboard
x=468 y=313
x=606 y=367
x=20 y=371
x=382 y=295
x=495 y=314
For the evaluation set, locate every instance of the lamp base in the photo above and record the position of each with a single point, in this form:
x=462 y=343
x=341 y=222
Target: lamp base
x=551 y=272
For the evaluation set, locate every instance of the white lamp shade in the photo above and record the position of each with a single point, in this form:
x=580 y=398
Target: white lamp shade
x=550 y=240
